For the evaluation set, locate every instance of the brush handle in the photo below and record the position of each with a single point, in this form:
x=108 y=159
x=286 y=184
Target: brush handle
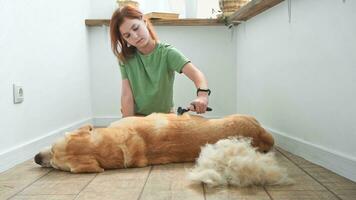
x=181 y=110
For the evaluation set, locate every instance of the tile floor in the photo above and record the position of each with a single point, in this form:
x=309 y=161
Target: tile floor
x=29 y=181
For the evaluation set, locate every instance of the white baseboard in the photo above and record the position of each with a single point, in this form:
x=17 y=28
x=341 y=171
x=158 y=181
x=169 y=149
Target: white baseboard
x=28 y=150
x=337 y=162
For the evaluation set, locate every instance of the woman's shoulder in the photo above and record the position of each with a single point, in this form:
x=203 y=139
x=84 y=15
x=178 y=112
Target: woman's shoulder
x=164 y=45
x=167 y=48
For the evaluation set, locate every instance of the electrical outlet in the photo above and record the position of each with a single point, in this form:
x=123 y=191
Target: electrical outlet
x=18 y=94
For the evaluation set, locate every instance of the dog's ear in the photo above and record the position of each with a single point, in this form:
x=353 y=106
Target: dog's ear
x=87 y=127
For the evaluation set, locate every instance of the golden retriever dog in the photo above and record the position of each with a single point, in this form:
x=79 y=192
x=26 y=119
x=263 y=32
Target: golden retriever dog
x=142 y=141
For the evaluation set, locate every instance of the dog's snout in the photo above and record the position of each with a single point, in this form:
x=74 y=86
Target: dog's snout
x=38 y=159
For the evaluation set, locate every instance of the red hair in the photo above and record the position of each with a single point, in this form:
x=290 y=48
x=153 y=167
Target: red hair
x=118 y=44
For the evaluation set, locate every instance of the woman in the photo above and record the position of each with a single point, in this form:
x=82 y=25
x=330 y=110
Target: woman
x=148 y=66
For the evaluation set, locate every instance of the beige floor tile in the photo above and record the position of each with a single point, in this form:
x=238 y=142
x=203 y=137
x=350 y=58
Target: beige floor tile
x=284 y=152
x=292 y=169
x=351 y=192
x=25 y=171
x=59 y=176
x=169 y=182
x=117 y=184
x=301 y=182
x=284 y=162
x=341 y=186
x=326 y=176
x=235 y=193
x=59 y=182
x=317 y=171
x=10 y=188
x=301 y=162
x=129 y=174
x=43 y=197
x=346 y=190
x=128 y=194
x=348 y=197
x=302 y=195
x=189 y=193
x=19 y=177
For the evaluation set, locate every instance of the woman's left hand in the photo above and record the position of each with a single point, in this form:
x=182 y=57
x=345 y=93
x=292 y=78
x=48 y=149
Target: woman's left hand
x=200 y=104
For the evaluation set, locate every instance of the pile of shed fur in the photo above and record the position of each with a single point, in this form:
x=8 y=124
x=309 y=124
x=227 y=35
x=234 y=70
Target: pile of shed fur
x=235 y=162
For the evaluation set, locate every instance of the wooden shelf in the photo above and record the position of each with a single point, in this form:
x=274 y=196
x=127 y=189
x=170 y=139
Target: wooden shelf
x=251 y=9
x=97 y=22
x=164 y=22
x=186 y=22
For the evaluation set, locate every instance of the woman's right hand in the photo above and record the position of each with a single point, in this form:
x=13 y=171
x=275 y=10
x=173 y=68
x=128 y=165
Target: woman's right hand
x=200 y=104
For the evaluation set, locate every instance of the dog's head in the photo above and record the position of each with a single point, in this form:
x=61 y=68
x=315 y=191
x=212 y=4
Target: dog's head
x=44 y=157
x=58 y=155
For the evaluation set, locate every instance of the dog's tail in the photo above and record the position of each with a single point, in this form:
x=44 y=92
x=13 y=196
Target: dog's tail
x=253 y=120
x=265 y=141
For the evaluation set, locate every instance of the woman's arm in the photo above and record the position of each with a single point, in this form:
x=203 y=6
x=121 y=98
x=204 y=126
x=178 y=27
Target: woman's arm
x=127 y=101
x=194 y=74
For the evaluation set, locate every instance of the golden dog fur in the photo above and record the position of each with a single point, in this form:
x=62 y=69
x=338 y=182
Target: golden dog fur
x=142 y=141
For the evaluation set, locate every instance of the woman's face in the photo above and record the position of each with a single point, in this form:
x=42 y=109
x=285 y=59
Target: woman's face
x=135 y=32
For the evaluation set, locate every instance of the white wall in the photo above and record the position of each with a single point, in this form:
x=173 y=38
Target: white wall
x=106 y=79
x=299 y=79
x=102 y=9
x=211 y=49
x=43 y=46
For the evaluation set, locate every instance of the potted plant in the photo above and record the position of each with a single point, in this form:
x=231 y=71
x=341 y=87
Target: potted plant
x=228 y=7
x=122 y=3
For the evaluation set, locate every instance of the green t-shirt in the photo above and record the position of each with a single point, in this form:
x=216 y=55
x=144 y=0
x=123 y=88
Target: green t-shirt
x=151 y=78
